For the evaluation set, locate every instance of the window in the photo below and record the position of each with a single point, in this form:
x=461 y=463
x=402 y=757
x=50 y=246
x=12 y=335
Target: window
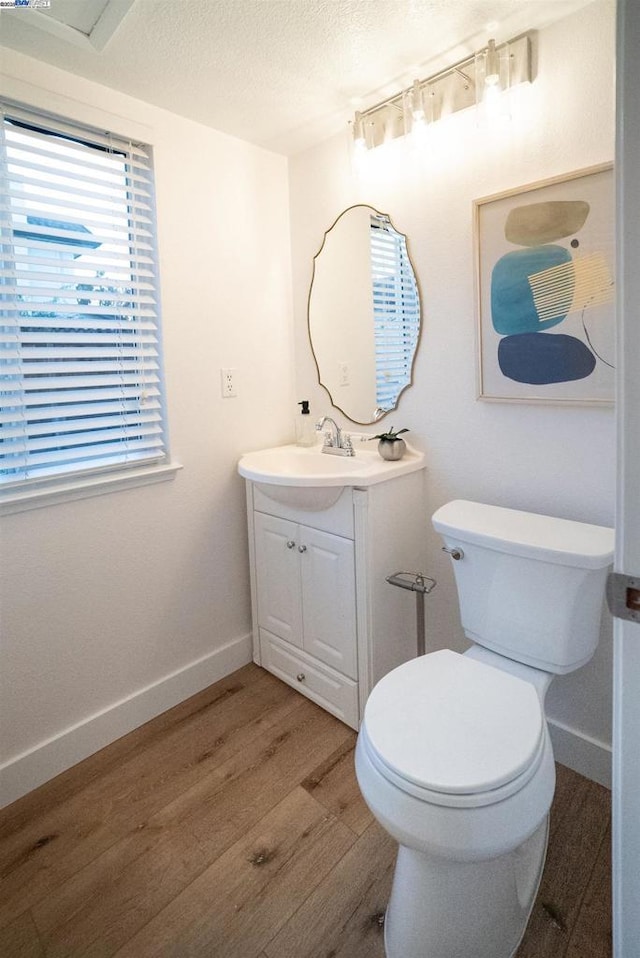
x=396 y=311
x=80 y=361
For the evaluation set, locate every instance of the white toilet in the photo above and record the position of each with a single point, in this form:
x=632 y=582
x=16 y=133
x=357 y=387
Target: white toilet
x=454 y=757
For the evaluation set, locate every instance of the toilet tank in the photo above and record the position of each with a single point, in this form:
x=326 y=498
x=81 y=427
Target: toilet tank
x=530 y=587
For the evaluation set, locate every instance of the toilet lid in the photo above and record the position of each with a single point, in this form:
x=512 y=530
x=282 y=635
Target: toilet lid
x=450 y=724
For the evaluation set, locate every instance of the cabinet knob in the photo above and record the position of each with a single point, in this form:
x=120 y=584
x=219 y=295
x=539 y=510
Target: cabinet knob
x=291 y=544
x=301 y=676
x=302 y=548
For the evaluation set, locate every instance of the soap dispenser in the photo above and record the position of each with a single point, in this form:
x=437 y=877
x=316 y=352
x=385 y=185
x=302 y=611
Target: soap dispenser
x=305 y=429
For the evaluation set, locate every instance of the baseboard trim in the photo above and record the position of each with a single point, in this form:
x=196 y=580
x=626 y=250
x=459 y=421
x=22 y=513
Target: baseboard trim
x=49 y=758
x=586 y=755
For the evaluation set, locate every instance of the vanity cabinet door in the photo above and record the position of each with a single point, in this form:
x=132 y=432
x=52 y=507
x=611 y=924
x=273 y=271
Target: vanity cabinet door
x=328 y=599
x=278 y=577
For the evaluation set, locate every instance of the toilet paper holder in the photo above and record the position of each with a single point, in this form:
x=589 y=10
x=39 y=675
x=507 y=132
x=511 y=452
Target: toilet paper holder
x=422 y=585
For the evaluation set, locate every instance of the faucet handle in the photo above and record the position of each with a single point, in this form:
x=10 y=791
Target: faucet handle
x=346 y=441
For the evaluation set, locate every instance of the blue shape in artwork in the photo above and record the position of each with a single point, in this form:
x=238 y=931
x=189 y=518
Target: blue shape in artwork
x=513 y=309
x=543 y=358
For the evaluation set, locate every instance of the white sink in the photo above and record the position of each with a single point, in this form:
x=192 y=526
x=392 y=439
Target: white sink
x=284 y=471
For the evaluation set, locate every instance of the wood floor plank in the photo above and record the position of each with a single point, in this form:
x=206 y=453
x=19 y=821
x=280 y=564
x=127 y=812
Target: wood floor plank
x=342 y=917
x=334 y=784
x=20 y=938
x=61 y=789
x=583 y=818
x=108 y=901
x=570 y=791
x=245 y=897
x=126 y=886
x=54 y=845
x=252 y=782
x=593 y=933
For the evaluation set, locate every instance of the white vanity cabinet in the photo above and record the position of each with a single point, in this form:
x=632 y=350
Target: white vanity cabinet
x=306 y=589
x=324 y=618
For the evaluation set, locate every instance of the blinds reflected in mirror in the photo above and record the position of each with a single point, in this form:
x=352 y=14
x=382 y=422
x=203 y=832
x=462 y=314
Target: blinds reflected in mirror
x=396 y=312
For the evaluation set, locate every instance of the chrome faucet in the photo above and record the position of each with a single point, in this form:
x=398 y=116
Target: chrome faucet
x=336 y=442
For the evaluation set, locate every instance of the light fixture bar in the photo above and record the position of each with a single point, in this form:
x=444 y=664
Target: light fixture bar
x=452 y=89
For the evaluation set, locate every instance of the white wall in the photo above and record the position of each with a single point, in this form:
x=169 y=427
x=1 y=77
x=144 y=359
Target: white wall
x=550 y=459
x=115 y=607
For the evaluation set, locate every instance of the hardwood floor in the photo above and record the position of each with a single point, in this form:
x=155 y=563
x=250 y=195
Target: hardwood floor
x=232 y=827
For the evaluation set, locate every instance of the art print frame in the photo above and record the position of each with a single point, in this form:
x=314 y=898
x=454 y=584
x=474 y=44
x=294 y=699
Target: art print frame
x=545 y=294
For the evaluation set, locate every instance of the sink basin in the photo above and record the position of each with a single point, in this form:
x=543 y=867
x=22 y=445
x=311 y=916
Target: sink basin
x=284 y=471
x=297 y=465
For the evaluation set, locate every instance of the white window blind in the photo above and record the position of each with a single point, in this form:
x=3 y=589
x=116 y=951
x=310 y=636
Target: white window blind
x=80 y=358
x=396 y=311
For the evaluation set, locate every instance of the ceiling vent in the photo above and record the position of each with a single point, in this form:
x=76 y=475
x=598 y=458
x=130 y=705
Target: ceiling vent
x=89 y=25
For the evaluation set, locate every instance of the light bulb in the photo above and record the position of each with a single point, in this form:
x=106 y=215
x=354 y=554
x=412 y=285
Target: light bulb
x=418 y=115
x=359 y=141
x=417 y=106
x=360 y=153
x=492 y=65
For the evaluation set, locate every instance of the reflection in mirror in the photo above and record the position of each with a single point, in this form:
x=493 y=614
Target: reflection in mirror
x=364 y=314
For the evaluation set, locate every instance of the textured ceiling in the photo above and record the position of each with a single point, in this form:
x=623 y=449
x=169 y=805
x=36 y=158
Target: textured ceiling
x=282 y=74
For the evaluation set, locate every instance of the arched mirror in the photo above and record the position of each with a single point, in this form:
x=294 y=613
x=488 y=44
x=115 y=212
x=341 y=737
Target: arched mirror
x=364 y=314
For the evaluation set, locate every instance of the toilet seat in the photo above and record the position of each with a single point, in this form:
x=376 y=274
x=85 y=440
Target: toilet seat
x=454 y=731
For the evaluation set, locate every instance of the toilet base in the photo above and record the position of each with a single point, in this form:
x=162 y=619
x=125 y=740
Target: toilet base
x=447 y=909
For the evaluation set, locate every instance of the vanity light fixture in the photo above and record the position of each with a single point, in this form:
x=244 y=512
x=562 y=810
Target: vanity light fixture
x=478 y=80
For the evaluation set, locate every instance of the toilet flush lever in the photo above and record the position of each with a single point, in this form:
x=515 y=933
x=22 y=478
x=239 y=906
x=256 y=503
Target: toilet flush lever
x=454 y=553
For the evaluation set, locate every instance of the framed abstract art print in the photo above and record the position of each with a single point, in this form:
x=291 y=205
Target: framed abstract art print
x=545 y=273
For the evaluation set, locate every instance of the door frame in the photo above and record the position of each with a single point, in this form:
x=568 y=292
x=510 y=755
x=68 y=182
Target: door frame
x=626 y=667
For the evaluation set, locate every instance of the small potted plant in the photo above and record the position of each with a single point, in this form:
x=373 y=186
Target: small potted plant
x=390 y=445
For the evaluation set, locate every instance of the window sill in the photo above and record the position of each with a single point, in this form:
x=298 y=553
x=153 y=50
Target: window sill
x=27 y=499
